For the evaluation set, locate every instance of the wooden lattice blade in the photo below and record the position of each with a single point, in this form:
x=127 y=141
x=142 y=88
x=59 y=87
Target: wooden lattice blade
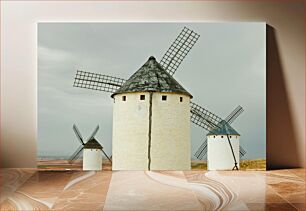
x=179 y=50
x=97 y=81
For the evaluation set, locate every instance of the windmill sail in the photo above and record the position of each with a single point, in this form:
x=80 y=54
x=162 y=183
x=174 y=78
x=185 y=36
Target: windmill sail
x=202 y=150
x=107 y=156
x=97 y=81
x=179 y=50
x=76 y=154
x=78 y=134
x=203 y=118
x=235 y=113
x=198 y=117
x=93 y=133
x=241 y=151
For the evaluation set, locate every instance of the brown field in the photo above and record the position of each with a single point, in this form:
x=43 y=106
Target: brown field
x=258 y=165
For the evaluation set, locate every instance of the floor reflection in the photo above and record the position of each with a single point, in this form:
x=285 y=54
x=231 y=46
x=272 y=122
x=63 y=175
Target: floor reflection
x=29 y=189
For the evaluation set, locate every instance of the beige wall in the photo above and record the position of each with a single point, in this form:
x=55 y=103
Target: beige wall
x=130 y=132
x=170 y=149
x=170 y=132
x=92 y=159
x=286 y=77
x=219 y=154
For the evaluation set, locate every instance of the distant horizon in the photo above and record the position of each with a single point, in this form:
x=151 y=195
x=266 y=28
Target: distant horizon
x=80 y=158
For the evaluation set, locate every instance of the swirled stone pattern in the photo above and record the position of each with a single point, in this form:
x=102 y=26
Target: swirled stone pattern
x=30 y=189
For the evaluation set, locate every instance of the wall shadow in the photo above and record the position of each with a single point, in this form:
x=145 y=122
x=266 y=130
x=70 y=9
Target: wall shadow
x=281 y=146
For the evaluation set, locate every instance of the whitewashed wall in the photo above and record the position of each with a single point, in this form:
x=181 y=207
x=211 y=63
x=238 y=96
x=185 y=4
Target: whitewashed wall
x=170 y=133
x=92 y=159
x=219 y=154
x=130 y=132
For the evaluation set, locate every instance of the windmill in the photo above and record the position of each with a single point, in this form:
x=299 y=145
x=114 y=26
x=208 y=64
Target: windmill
x=220 y=139
x=222 y=154
x=199 y=120
x=170 y=63
x=92 y=151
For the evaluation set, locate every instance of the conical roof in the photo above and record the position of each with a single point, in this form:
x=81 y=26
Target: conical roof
x=151 y=77
x=223 y=128
x=92 y=144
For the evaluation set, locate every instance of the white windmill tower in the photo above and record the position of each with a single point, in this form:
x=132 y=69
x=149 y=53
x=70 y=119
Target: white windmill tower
x=220 y=134
x=223 y=148
x=133 y=102
x=151 y=122
x=92 y=151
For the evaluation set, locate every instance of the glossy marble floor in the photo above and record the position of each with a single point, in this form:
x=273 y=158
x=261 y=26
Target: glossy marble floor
x=29 y=189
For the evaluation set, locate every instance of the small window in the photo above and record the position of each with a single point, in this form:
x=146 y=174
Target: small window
x=181 y=99
x=142 y=97
x=123 y=98
x=214 y=136
x=230 y=136
x=164 y=97
x=221 y=136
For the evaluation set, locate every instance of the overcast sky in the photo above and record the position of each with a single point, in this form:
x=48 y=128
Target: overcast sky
x=226 y=68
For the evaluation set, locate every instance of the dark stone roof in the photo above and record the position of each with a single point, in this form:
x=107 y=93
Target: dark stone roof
x=151 y=77
x=92 y=144
x=223 y=128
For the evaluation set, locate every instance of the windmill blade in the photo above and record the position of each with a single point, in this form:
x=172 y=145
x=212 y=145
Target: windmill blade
x=202 y=150
x=179 y=50
x=105 y=153
x=97 y=81
x=76 y=154
x=78 y=134
x=93 y=133
x=242 y=152
x=107 y=156
x=195 y=118
x=230 y=119
x=198 y=120
x=203 y=118
x=234 y=114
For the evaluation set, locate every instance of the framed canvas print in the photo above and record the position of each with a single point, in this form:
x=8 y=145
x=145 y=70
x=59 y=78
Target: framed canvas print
x=152 y=96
